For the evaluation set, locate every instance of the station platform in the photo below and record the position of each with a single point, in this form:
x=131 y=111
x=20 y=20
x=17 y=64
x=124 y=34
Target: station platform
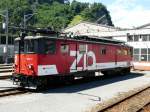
x=84 y=97
x=145 y=66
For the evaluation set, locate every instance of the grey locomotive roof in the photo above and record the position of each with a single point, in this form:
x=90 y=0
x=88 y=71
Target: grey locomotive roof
x=92 y=37
x=96 y=39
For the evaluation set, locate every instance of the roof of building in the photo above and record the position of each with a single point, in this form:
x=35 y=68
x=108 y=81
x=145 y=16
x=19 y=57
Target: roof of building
x=101 y=25
x=143 y=26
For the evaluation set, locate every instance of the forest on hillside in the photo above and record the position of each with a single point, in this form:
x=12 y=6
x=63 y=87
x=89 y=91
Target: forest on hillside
x=56 y=14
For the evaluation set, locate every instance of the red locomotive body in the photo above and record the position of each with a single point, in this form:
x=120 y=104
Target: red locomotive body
x=39 y=59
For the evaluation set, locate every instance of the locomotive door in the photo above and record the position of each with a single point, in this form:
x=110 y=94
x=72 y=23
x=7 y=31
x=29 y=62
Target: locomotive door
x=64 y=57
x=73 y=57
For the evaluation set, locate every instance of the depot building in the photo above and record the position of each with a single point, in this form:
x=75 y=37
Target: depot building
x=138 y=38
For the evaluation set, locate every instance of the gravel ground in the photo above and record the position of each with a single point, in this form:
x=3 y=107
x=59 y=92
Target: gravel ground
x=88 y=97
x=132 y=104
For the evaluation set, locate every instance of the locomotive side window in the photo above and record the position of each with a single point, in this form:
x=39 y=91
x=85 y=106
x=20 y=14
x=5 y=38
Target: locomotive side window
x=103 y=51
x=82 y=48
x=50 y=47
x=125 y=52
x=64 y=48
x=119 y=52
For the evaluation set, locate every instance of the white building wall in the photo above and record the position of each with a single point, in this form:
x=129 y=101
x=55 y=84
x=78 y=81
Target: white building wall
x=139 y=44
x=122 y=38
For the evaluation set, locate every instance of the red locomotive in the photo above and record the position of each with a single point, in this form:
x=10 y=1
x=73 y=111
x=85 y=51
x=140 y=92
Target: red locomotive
x=41 y=59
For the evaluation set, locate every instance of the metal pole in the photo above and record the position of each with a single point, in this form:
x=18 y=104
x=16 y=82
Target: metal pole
x=7 y=20
x=26 y=18
x=99 y=19
x=24 y=21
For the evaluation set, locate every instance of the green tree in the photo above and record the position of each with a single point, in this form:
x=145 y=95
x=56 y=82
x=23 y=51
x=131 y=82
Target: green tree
x=97 y=12
x=77 y=19
x=57 y=14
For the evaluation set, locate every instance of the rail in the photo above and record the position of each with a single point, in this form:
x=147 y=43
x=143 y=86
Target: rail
x=12 y=91
x=138 y=100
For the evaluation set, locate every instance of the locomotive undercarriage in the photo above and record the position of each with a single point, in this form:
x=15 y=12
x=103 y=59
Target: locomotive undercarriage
x=40 y=82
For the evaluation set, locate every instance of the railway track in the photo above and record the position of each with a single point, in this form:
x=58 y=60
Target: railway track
x=12 y=91
x=139 y=102
x=5 y=77
x=146 y=108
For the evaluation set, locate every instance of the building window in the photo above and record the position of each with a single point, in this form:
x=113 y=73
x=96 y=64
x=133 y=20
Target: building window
x=3 y=40
x=130 y=38
x=136 y=51
x=144 y=37
x=148 y=57
x=136 y=54
x=148 y=37
x=143 y=57
x=144 y=51
x=136 y=38
x=136 y=57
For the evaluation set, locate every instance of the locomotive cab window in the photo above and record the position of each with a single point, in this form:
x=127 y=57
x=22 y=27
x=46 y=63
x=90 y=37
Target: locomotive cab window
x=50 y=47
x=64 y=48
x=30 y=46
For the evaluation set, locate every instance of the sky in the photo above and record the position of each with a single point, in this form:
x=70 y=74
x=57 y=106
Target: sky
x=127 y=13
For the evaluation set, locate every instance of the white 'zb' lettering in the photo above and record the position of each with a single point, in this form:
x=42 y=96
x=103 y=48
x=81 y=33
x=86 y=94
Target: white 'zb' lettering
x=78 y=58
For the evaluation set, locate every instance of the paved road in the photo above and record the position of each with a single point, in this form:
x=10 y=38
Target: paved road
x=75 y=98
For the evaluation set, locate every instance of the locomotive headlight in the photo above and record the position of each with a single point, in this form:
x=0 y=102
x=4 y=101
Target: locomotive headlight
x=30 y=67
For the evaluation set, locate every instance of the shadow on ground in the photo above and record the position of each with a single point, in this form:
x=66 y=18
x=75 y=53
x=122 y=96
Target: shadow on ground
x=84 y=84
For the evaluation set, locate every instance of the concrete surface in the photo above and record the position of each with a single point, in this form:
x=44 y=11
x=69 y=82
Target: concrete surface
x=75 y=98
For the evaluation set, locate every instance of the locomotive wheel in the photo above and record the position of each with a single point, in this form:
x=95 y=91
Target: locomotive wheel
x=67 y=79
x=109 y=73
x=127 y=70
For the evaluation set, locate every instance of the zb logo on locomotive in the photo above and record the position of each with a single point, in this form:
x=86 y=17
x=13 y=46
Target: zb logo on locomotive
x=89 y=54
